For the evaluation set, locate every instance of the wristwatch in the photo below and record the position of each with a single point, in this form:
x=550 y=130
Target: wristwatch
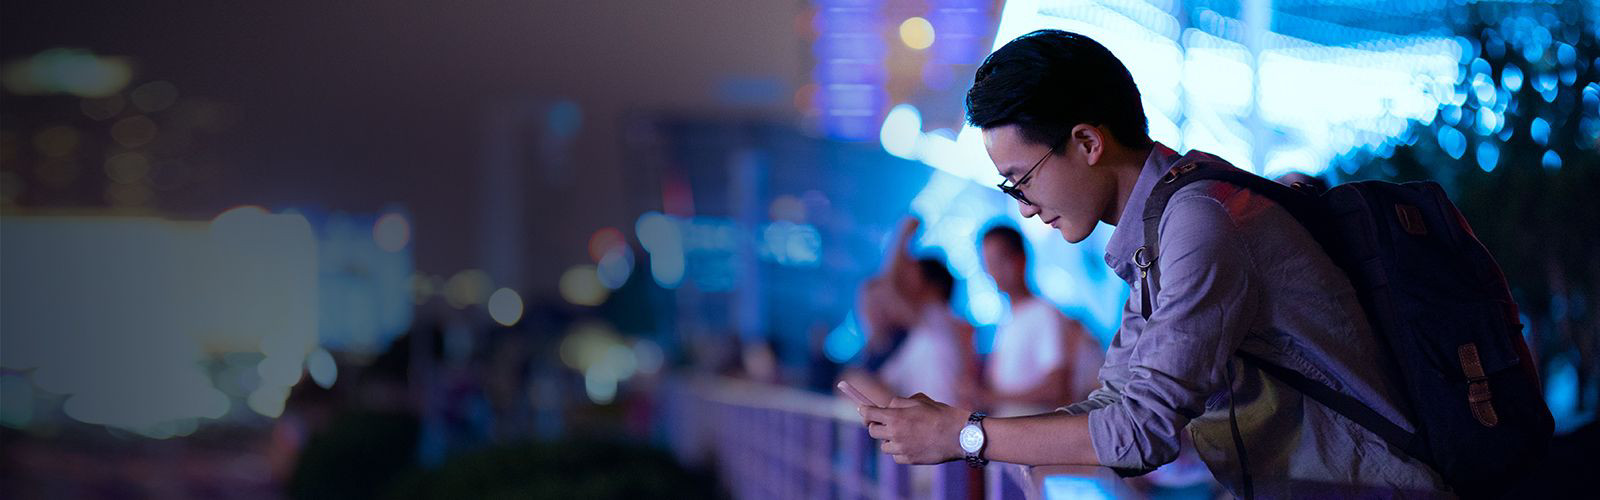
x=972 y=440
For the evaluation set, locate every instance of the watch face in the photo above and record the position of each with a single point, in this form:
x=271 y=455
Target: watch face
x=971 y=438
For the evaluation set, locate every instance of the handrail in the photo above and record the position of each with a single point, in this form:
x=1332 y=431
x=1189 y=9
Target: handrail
x=769 y=441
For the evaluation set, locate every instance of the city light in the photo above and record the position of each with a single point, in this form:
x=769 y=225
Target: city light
x=615 y=267
x=916 y=33
x=849 y=71
x=662 y=238
x=649 y=357
x=505 y=307
x=844 y=341
x=901 y=131
x=791 y=244
x=468 y=287
x=67 y=71
x=391 y=232
x=134 y=131
x=585 y=343
x=127 y=168
x=603 y=241
x=581 y=285
x=322 y=368
x=1324 y=100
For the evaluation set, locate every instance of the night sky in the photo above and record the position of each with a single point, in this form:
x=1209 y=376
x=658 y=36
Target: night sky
x=356 y=105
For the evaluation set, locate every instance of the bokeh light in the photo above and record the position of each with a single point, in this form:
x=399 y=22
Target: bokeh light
x=505 y=306
x=67 y=71
x=649 y=356
x=1488 y=156
x=468 y=287
x=322 y=368
x=392 y=232
x=587 y=343
x=916 y=33
x=128 y=168
x=603 y=241
x=134 y=131
x=662 y=238
x=615 y=267
x=581 y=285
x=787 y=207
x=902 y=128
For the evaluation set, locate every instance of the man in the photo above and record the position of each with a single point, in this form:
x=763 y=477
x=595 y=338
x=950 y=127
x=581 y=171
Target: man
x=1041 y=358
x=1063 y=122
x=915 y=341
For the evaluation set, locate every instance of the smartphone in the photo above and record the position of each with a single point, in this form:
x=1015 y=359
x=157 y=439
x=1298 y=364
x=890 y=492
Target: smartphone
x=854 y=394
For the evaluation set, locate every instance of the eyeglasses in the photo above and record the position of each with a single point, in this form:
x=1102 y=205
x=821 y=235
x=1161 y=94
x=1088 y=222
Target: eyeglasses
x=1013 y=188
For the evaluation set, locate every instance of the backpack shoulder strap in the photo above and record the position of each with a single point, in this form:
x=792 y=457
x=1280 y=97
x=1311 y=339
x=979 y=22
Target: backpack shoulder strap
x=1192 y=168
x=1304 y=209
x=1344 y=404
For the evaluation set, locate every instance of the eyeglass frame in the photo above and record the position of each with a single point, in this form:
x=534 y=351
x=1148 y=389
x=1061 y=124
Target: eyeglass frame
x=1015 y=188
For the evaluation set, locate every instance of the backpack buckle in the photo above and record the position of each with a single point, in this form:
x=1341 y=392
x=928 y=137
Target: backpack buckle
x=1179 y=170
x=1141 y=259
x=1411 y=219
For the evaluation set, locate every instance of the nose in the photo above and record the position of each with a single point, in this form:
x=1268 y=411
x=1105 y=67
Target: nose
x=1027 y=210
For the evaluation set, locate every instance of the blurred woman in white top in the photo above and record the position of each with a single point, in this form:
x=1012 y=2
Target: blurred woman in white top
x=922 y=345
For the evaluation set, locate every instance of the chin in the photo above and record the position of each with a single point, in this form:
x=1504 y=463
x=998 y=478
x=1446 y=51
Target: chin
x=1071 y=237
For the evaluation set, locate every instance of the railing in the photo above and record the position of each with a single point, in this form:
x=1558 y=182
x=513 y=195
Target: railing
x=770 y=441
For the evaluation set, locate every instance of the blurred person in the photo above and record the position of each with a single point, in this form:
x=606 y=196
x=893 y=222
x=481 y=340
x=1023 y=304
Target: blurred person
x=1063 y=122
x=506 y=376
x=759 y=361
x=307 y=411
x=1041 y=359
x=370 y=442
x=915 y=343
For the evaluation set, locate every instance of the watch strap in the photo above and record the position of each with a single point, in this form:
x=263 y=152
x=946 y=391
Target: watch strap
x=974 y=459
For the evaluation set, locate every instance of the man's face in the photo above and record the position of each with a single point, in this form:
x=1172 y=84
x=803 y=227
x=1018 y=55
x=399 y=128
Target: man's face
x=1067 y=193
x=1008 y=268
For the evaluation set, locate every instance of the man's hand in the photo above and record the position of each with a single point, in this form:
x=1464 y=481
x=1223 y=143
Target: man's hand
x=917 y=430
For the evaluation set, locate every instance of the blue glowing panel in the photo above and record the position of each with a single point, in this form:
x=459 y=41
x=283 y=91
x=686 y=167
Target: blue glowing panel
x=1075 y=488
x=849 y=71
x=1270 y=102
x=364 y=271
x=117 y=314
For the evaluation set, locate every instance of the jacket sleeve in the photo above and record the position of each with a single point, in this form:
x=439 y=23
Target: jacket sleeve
x=1202 y=310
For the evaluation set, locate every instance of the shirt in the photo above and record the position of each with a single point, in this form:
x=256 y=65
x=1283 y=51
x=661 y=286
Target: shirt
x=1038 y=340
x=929 y=361
x=1238 y=272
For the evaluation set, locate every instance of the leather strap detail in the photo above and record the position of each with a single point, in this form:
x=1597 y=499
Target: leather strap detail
x=1478 y=395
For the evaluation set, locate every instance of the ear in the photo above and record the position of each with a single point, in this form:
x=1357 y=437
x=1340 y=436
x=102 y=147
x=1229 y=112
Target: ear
x=1088 y=140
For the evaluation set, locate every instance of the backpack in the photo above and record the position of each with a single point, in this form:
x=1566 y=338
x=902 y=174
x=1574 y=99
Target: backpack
x=1436 y=300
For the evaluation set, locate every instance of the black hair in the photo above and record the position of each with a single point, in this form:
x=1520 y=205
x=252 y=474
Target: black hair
x=1048 y=81
x=1007 y=236
x=937 y=274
